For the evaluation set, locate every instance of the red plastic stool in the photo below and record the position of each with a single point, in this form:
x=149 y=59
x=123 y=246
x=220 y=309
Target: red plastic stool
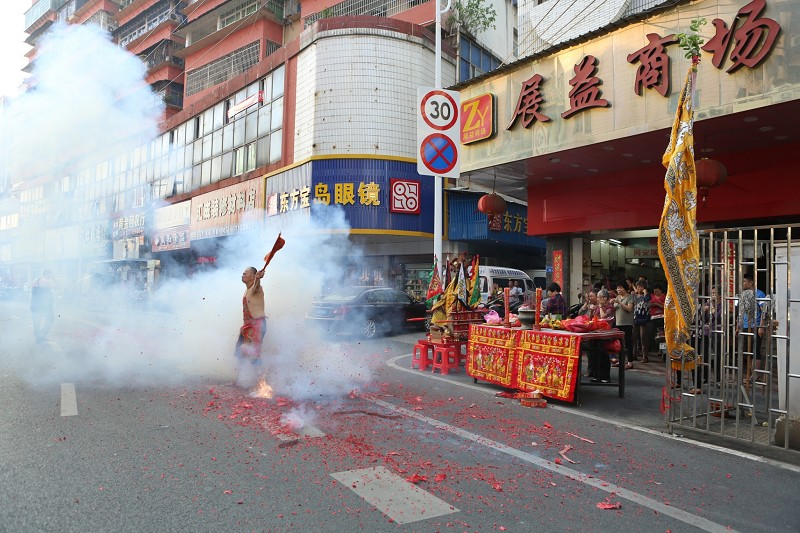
x=422 y=355
x=445 y=358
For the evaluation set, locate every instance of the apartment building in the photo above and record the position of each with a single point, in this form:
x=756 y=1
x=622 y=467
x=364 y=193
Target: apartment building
x=267 y=105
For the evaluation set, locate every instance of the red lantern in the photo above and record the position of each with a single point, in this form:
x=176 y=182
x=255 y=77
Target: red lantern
x=710 y=173
x=492 y=204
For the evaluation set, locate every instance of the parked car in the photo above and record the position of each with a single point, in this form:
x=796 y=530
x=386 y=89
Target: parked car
x=367 y=311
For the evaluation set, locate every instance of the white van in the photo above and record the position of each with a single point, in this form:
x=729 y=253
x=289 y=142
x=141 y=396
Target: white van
x=489 y=275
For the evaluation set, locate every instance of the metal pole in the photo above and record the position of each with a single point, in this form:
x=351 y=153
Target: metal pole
x=438 y=195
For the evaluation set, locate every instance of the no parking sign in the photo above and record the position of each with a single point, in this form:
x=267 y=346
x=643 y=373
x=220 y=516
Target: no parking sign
x=438 y=132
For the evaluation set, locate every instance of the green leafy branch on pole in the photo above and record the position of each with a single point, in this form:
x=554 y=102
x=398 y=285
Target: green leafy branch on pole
x=473 y=16
x=691 y=42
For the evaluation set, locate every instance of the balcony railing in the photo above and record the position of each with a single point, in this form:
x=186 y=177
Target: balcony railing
x=140 y=26
x=163 y=53
x=172 y=98
x=376 y=8
x=40 y=9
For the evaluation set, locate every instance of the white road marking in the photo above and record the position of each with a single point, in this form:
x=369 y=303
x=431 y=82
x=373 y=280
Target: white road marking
x=635 y=497
x=69 y=401
x=743 y=455
x=400 y=500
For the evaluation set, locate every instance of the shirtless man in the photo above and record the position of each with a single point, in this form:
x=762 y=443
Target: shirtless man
x=254 y=326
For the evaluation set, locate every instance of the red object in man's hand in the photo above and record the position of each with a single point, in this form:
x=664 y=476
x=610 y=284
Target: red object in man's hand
x=279 y=242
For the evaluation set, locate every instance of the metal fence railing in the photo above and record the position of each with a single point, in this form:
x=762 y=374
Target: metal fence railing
x=351 y=8
x=746 y=384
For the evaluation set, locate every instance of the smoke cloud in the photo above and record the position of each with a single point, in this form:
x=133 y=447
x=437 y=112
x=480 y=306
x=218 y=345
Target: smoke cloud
x=91 y=103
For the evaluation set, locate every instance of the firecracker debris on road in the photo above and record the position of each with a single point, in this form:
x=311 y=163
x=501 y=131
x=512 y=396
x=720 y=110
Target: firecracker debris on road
x=409 y=451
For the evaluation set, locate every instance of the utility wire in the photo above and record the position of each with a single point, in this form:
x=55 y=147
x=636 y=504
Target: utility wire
x=170 y=12
x=238 y=25
x=532 y=41
x=554 y=4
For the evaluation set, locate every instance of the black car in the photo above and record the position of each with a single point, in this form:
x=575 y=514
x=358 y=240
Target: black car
x=367 y=310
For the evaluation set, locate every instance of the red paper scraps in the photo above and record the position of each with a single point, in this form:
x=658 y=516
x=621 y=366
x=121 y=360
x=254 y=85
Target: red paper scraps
x=609 y=505
x=416 y=478
x=578 y=437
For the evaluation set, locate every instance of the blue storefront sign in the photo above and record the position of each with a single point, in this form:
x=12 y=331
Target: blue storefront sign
x=376 y=195
x=466 y=223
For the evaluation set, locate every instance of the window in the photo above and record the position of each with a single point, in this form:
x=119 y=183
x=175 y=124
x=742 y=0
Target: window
x=244 y=159
x=222 y=69
x=275 y=141
x=228 y=18
x=138 y=196
x=475 y=60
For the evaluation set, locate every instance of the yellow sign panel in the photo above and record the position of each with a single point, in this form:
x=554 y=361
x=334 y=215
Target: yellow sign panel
x=478 y=119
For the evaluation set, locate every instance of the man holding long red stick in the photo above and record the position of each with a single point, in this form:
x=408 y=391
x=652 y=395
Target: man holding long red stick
x=255 y=321
x=254 y=327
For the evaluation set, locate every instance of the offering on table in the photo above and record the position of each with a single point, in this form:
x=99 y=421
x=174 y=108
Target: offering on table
x=582 y=324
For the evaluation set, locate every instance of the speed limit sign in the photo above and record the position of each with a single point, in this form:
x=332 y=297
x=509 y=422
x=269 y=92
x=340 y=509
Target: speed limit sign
x=438 y=135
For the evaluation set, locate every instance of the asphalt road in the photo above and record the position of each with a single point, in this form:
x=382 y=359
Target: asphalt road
x=102 y=450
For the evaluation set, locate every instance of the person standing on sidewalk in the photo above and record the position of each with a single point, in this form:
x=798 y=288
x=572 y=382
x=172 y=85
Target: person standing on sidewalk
x=751 y=322
x=641 y=316
x=657 y=298
x=623 y=318
x=42 y=305
x=589 y=304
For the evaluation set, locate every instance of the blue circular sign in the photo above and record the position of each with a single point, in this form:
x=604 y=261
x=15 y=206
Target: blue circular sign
x=438 y=153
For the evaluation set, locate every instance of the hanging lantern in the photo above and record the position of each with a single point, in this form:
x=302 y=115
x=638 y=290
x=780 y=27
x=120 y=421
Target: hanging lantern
x=492 y=204
x=710 y=173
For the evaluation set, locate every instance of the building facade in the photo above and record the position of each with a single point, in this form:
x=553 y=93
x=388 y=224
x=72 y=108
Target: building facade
x=272 y=107
x=583 y=127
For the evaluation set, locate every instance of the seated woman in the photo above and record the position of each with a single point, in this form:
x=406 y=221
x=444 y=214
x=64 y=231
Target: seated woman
x=555 y=304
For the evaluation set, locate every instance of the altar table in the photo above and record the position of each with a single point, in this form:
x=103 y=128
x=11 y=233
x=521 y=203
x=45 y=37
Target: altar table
x=547 y=360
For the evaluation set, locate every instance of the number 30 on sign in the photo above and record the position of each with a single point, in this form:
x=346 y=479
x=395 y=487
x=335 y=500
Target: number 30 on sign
x=438 y=132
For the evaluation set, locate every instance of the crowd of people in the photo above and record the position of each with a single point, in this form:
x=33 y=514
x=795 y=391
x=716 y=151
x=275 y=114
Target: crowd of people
x=633 y=306
x=637 y=308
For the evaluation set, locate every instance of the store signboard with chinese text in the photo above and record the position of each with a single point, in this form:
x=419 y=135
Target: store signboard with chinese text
x=466 y=223
x=228 y=210
x=632 y=252
x=171 y=227
x=623 y=83
x=375 y=195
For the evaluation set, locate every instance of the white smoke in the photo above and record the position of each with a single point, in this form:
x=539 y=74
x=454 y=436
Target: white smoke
x=298 y=417
x=90 y=103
